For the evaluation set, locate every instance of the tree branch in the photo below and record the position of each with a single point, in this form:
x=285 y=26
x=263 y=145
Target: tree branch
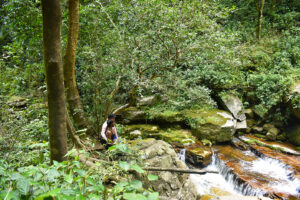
x=111 y=97
x=176 y=170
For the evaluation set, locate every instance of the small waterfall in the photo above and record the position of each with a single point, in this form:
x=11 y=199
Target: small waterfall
x=233 y=180
x=181 y=155
x=227 y=181
x=287 y=183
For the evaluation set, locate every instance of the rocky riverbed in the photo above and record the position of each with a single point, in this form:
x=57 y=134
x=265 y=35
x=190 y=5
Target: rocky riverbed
x=255 y=159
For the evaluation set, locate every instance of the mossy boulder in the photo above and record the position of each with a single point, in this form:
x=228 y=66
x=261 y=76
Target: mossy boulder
x=178 y=137
x=131 y=115
x=141 y=130
x=148 y=101
x=164 y=116
x=214 y=125
x=272 y=133
x=295 y=91
x=294 y=135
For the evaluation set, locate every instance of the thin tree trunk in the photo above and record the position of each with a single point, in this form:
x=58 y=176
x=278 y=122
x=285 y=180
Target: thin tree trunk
x=73 y=98
x=55 y=81
x=259 y=8
x=111 y=96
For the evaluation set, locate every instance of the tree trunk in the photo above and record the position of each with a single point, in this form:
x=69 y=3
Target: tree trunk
x=259 y=8
x=111 y=96
x=73 y=98
x=55 y=80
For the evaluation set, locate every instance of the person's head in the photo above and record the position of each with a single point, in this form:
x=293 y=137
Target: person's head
x=110 y=123
x=111 y=117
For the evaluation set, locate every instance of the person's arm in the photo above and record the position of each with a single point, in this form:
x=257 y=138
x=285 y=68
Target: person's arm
x=103 y=131
x=115 y=133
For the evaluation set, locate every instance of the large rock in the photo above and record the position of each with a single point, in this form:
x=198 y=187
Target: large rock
x=214 y=125
x=165 y=117
x=140 y=130
x=131 y=115
x=272 y=133
x=157 y=153
x=198 y=154
x=234 y=105
x=175 y=136
x=267 y=127
x=148 y=101
x=241 y=125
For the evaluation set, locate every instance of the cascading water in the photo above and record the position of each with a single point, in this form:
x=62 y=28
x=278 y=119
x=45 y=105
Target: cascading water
x=181 y=155
x=227 y=181
x=286 y=182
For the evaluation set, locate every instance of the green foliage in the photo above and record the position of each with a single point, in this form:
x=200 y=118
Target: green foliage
x=25 y=172
x=66 y=180
x=21 y=51
x=71 y=178
x=296 y=101
x=187 y=51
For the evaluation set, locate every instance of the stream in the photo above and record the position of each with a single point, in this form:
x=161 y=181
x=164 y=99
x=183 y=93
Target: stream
x=254 y=172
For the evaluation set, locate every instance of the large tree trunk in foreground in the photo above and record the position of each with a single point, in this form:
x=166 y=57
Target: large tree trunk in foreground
x=55 y=80
x=75 y=104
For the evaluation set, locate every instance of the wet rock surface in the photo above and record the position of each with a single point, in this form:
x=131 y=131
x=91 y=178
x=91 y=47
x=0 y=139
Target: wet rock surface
x=232 y=197
x=276 y=146
x=264 y=168
x=243 y=165
x=198 y=155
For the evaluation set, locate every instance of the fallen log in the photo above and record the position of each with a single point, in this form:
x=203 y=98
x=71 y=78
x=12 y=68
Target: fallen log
x=186 y=171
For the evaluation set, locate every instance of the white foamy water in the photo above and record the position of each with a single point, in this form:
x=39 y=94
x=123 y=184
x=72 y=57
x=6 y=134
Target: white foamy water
x=181 y=155
x=268 y=167
x=284 y=182
x=224 y=181
x=206 y=181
